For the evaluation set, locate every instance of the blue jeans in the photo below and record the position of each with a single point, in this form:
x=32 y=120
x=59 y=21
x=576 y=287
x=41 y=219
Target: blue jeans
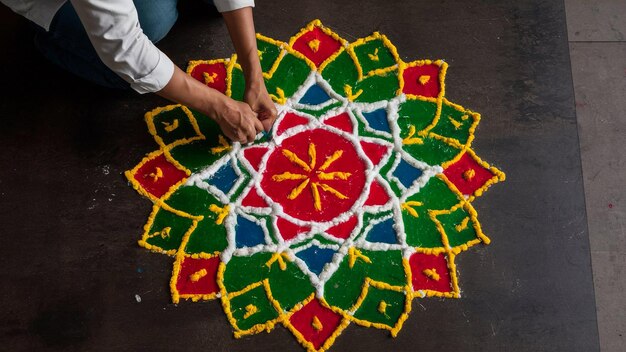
x=67 y=43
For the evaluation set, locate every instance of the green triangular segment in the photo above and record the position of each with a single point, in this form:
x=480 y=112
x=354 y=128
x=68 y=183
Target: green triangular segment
x=420 y=230
x=454 y=122
x=417 y=113
x=167 y=230
x=268 y=54
x=194 y=201
x=374 y=55
x=207 y=125
x=385 y=169
x=172 y=125
x=458 y=226
x=431 y=151
x=377 y=87
x=345 y=286
x=256 y=299
x=289 y=76
x=289 y=286
x=238 y=84
x=197 y=155
x=341 y=72
x=207 y=238
x=246 y=180
x=382 y=306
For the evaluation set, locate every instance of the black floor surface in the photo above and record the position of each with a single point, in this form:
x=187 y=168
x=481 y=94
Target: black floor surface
x=69 y=222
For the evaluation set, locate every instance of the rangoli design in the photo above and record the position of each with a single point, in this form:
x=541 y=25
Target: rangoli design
x=354 y=204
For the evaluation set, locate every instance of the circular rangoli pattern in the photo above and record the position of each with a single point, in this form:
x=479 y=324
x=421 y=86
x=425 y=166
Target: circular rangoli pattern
x=354 y=204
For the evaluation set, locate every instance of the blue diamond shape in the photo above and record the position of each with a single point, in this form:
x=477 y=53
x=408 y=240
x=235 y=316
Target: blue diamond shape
x=316 y=258
x=377 y=120
x=314 y=96
x=406 y=173
x=224 y=178
x=248 y=233
x=383 y=232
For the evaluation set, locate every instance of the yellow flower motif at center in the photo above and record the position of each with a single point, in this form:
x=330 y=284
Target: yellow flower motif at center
x=310 y=168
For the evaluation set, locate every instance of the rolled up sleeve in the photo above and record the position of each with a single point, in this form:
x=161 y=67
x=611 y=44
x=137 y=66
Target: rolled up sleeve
x=114 y=30
x=231 y=5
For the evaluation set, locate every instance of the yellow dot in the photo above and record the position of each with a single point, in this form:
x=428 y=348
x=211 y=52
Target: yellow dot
x=317 y=324
x=463 y=225
x=164 y=233
x=314 y=45
x=431 y=274
x=374 y=56
x=209 y=78
x=156 y=175
x=382 y=307
x=250 y=310
x=195 y=277
x=468 y=175
x=424 y=79
x=169 y=127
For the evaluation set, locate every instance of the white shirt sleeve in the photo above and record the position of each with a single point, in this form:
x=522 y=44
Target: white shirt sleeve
x=114 y=30
x=40 y=12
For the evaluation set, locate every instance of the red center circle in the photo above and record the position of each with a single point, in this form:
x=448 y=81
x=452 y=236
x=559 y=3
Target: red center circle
x=336 y=195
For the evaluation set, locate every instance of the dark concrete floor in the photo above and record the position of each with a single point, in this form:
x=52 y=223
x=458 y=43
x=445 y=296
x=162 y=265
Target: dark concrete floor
x=597 y=35
x=71 y=267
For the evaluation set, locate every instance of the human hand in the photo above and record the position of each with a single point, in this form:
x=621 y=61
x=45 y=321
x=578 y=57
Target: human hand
x=241 y=28
x=237 y=120
x=260 y=102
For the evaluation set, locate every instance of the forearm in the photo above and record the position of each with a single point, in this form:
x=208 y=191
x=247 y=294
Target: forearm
x=240 y=26
x=185 y=90
x=236 y=120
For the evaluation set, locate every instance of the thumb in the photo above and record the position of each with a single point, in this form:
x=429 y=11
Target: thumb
x=258 y=126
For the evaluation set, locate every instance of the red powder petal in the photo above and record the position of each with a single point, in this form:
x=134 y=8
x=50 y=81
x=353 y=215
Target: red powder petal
x=459 y=174
x=253 y=199
x=289 y=230
x=341 y=122
x=205 y=283
x=254 y=155
x=158 y=182
x=344 y=229
x=318 y=51
x=412 y=84
x=290 y=120
x=378 y=195
x=216 y=73
x=420 y=262
x=303 y=321
x=375 y=152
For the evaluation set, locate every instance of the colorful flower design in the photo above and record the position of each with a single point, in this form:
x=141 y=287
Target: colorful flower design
x=356 y=203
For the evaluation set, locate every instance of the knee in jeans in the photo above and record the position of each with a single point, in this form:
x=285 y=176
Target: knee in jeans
x=156 y=21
